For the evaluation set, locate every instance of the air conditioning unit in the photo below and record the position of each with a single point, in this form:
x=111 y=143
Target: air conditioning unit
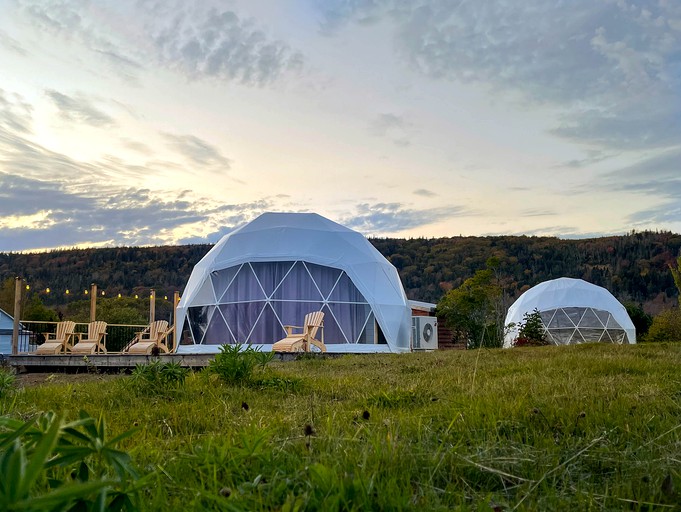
x=423 y=333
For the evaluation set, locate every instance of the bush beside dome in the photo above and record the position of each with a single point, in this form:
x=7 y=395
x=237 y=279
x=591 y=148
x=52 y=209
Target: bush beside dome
x=280 y=266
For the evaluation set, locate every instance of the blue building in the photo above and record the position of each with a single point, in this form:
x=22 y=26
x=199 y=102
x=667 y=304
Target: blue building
x=6 y=325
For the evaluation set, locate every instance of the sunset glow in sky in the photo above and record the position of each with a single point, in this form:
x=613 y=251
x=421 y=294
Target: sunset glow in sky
x=161 y=122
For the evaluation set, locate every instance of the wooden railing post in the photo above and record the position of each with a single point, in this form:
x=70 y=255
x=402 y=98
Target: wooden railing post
x=152 y=306
x=93 y=302
x=176 y=301
x=17 y=313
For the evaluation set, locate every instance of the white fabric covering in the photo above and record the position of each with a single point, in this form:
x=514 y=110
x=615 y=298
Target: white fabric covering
x=577 y=310
x=280 y=266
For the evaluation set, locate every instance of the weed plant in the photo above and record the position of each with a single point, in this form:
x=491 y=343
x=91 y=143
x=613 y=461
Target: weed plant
x=50 y=465
x=589 y=427
x=246 y=366
x=7 y=381
x=158 y=378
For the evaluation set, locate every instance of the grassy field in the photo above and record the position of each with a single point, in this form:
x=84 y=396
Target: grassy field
x=591 y=427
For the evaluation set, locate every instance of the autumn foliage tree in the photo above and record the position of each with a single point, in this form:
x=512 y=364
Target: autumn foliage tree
x=667 y=325
x=474 y=310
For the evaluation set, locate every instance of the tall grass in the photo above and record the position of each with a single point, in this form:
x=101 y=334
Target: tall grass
x=553 y=428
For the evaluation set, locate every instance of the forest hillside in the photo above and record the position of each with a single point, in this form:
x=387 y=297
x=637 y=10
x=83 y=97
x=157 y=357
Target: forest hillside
x=634 y=267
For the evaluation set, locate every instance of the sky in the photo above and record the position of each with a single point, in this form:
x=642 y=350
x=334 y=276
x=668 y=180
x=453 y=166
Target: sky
x=156 y=122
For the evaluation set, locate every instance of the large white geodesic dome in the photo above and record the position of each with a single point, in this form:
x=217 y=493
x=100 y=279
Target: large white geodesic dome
x=277 y=268
x=572 y=311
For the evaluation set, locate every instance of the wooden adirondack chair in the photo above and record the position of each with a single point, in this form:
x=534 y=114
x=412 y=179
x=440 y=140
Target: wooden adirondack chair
x=301 y=342
x=60 y=341
x=93 y=342
x=154 y=335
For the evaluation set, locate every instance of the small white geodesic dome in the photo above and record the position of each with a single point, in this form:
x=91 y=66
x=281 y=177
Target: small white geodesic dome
x=572 y=311
x=277 y=268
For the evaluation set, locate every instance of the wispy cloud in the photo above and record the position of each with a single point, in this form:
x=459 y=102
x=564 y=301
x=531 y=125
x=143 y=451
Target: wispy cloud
x=15 y=113
x=533 y=212
x=79 y=108
x=425 y=193
x=646 y=173
x=608 y=65
x=392 y=126
x=381 y=218
x=197 y=151
x=11 y=44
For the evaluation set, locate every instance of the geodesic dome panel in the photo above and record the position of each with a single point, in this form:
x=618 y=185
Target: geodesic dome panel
x=252 y=302
x=572 y=311
x=274 y=270
x=567 y=326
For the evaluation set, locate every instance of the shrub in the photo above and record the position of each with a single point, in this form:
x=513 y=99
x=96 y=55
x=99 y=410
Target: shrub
x=235 y=364
x=665 y=327
x=641 y=320
x=531 y=332
x=157 y=378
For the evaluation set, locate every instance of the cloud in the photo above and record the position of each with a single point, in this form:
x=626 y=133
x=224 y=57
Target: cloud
x=116 y=217
x=424 y=193
x=15 y=113
x=48 y=199
x=88 y=23
x=391 y=126
x=657 y=177
x=611 y=67
x=137 y=146
x=38 y=214
x=646 y=172
x=592 y=157
x=533 y=212
x=667 y=213
x=379 y=218
x=228 y=217
x=563 y=232
x=197 y=151
x=220 y=44
x=201 y=43
x=386 y=122
x=79 y=109
x=11 y=44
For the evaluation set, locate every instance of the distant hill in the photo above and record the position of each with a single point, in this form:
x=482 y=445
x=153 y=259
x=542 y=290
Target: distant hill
x=633 y=267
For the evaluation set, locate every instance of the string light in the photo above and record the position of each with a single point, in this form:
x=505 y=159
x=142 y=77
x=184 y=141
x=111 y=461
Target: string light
x=67 y=291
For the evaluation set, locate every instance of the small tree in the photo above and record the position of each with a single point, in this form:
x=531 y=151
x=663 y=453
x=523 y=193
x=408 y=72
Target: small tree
x=531 y=331
x=473 y=309
x=7 y=295
x=37 y=311
x=641 y=320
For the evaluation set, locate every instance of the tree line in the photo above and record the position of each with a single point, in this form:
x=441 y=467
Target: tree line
x=634 y=267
